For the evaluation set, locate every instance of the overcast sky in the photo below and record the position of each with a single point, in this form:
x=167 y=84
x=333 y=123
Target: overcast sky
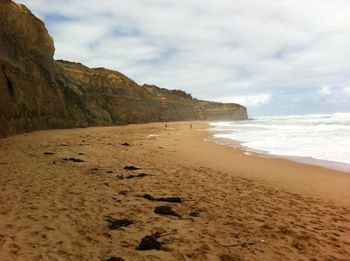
x=273 y=56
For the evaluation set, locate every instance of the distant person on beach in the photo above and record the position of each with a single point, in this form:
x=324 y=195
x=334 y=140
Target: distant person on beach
x=190 y=126
x=166 y=125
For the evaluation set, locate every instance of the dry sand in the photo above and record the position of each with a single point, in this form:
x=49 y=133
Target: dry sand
x=236 y=207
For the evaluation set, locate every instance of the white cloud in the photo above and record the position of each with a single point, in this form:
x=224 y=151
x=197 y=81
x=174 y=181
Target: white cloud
x=346 y=90
x=212 y=49
x=247 y=100
x=325 y=91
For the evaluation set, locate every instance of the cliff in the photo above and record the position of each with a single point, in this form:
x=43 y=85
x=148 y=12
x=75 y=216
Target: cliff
x=110 y=97
x=38 y=92
x=31 y=97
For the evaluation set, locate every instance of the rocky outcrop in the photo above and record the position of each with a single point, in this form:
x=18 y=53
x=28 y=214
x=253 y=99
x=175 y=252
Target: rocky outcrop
x=38 y=92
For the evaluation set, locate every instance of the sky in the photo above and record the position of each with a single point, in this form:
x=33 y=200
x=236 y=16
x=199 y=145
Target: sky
x=276 y=57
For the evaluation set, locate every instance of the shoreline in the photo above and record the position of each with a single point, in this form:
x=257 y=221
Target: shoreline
x=58 y=188
x=328 y=164
x=312 y=180
x=312 y=139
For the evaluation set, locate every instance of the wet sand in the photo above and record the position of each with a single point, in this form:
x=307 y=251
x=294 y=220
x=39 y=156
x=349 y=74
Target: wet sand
x=60 y=189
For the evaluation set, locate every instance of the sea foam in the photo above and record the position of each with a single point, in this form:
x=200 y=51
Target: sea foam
x=323 y=137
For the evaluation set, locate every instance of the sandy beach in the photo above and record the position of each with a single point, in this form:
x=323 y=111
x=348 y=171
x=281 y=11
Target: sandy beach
x=62 y=191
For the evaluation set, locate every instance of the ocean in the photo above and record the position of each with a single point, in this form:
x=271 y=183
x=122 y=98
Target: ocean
x=320 y=139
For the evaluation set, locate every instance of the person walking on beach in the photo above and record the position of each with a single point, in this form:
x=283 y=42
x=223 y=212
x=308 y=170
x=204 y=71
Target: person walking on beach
x=190 y=126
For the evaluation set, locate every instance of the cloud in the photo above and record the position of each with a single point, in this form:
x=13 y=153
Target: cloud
x=213 y=50
x=325 y=91
x=335 y=92
x=247 y=100
x=346 y=90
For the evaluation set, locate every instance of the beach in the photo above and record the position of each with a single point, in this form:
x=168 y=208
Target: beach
x=60 y=190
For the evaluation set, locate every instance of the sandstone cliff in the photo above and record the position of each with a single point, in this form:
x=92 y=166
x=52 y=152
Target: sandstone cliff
x=31 y=97
x=110 y=97
x=38 y=92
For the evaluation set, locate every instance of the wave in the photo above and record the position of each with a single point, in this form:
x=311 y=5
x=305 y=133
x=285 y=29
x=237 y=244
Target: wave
x=319 y=136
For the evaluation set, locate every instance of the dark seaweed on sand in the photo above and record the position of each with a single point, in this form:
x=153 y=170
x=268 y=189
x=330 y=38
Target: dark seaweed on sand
x=131 y=168
x=163 y=199
x=73 y=159
x=166 y=210
x=114 y=258
x=150 y=242
x=118 y=223
x=141 y=175
x=195 y=213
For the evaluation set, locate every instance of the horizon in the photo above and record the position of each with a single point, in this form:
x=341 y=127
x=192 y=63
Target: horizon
x=273 y=58
x=300 y=115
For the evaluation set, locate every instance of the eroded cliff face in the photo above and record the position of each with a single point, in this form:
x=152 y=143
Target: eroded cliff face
x=112 y=98
x=31 y=98
x=38 y=92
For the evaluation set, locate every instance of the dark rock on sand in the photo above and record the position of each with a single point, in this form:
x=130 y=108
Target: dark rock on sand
x=126 y=144
x=166 y=210
x=118 y=223
x=150 y=242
